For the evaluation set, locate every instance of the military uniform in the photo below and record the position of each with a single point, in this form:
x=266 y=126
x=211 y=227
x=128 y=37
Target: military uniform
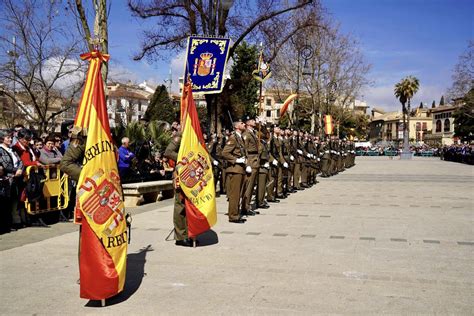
x=234 y=149
x=251 y=146
x=179 y=212
x=263 y=173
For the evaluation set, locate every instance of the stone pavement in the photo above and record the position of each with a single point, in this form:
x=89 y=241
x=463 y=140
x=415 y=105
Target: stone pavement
x=386 y=236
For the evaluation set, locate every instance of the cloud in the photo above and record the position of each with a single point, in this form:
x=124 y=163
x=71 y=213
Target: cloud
x=72 y=73
x=382 y=96
x=120 y=73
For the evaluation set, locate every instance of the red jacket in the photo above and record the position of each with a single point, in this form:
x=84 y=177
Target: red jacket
x=26 y=155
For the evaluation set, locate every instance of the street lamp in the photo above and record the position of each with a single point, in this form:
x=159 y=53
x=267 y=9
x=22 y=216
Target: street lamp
x=306 y=52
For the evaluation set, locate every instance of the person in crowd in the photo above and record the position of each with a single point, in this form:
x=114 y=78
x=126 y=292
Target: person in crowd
x=50 y=155
x=37 y=146
x=16 y=129
x=11 y=175
x=23 y=149
x=125 y=158
x=65 y=143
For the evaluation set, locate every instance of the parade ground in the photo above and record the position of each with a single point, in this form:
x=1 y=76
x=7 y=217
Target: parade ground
x=386 y=236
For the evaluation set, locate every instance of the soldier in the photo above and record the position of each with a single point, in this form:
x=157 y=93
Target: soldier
x=179 y=212
x=235 y=157
x=214 y=151
x=264 y=169
x=298 y=160
x=251 y=146
x=325 y=156
x=273 y=173
x=277 y=153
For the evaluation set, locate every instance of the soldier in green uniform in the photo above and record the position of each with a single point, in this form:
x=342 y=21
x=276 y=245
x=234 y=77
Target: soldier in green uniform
x=179 y=212
x=277 y=139
x=325 y=156
x=235 y=157
x=273 y=174
x=251 y=145
x=264 y=169
x=298 y=160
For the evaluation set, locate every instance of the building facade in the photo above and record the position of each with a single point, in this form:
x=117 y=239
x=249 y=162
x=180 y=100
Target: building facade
x=126 y=103
x=443 y=125
x=388 y=126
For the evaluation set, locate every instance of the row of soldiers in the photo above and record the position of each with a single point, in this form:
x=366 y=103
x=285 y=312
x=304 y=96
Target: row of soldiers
x=269 y=163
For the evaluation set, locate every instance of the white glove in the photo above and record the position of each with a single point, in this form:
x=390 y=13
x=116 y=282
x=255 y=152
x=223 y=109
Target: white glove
x=326 y=152
x=300 y=151
x=215 y=162
x=240 y=160
x=285 y=165
x=308 y=155
x=275 y=162
x=248 y=169
x=319 y=159
x=266 y=165
x=292 y=158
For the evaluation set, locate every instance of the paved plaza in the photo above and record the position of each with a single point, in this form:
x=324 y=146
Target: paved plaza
x=386 y=236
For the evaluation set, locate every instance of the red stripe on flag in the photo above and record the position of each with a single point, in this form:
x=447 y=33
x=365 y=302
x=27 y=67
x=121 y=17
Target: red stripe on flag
x=99 y=278
x=197 y=222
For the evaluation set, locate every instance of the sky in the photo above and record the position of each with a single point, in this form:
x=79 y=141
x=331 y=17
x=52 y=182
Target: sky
x=423 y=38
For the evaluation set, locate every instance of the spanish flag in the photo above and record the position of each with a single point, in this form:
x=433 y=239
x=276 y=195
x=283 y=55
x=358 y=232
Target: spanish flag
x=103 y=245
x=287 y=103
x=194 y=170
x=328 y=125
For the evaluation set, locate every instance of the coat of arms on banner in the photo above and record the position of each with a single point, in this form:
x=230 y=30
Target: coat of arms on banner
x=205 y=63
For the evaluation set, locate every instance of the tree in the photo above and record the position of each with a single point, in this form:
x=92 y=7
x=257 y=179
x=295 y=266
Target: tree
x=161 y=108
x=464 y=118
x=404 y=91
x=333 y=75
x=176 y=20
x=441 y=101
x=463 y=73
x=433 y=105
x=43 y=74
x=99 y=39
x=245 y=87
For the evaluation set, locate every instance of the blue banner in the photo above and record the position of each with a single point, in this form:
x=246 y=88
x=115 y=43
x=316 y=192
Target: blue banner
x=205 y=63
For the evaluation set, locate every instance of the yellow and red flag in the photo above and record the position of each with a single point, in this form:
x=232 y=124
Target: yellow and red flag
x=328 y=124
x=195 y=170
x=287 y=103
x=103 y=247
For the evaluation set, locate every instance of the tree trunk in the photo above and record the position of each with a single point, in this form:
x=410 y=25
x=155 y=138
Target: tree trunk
x=313 y=122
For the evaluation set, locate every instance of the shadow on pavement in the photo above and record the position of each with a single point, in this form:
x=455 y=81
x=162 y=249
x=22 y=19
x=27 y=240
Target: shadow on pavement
x=135 y=274
x=208 y=238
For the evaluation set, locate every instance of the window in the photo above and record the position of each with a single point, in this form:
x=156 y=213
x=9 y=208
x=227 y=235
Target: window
x=425 y=127
x=438 y=126
x=269 y=102
x=447 y=125
x=278 y=113
x=269 y=113
x=418 y=126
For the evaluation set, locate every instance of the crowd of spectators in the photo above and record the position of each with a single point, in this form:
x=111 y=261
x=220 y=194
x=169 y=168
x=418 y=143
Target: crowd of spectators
x=21 y=148
x=462 y=153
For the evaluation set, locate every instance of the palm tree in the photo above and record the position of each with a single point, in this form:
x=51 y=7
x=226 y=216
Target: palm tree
x=404 y=91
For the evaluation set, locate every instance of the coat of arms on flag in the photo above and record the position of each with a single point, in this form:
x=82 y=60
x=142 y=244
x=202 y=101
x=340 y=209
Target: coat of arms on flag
x=205 y=63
